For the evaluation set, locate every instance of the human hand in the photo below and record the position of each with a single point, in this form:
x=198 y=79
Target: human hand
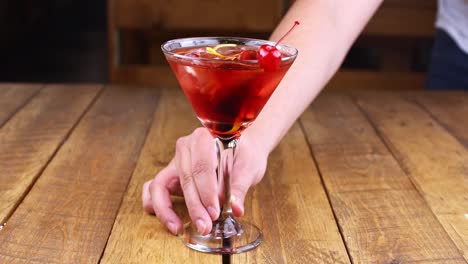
x=192 y=174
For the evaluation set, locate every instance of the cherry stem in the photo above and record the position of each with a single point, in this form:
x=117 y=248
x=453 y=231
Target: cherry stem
x=296 y=23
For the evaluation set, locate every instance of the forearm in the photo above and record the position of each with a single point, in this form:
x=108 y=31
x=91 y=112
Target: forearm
x=328 y=29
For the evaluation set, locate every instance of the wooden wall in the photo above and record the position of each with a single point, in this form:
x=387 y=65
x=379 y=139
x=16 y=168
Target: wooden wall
x=397 y=32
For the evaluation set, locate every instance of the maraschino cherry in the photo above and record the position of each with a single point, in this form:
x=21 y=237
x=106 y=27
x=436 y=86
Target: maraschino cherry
x=269 y=57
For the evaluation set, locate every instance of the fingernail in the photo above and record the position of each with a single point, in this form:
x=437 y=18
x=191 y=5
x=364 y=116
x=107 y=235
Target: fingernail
x=213 y=212
x=201 y=226
x=172 y=227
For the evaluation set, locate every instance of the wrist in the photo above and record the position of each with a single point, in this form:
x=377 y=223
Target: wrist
x=262 y=141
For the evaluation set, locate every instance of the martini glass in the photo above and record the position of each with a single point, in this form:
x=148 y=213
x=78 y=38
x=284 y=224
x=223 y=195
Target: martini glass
x=227 y=89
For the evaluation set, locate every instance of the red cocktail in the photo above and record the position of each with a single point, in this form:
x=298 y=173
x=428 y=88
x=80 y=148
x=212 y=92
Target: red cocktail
x=228 y=81
x=226 y=90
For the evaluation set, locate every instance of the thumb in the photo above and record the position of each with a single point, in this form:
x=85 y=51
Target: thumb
x=239 y=190
x=249 y=168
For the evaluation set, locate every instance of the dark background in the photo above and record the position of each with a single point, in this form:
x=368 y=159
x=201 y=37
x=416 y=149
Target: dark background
x=66 y=41
x=53 y=41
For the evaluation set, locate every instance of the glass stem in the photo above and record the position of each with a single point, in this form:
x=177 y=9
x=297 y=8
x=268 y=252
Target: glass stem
x=225 y=152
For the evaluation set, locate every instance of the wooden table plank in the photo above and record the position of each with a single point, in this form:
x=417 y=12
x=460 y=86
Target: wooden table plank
x=291 y=207
x=13 y=97
x=386 y=216
x=138 y=237
x=32 y=136
x=436 y=161
x=449 y=108
x=68 y=214
x=382 y=216
x=312 y=228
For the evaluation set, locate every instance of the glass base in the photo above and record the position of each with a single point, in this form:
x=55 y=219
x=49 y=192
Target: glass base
x=227 y=237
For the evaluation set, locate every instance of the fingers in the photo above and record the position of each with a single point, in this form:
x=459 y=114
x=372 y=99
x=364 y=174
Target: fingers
x=162 y=206
x=197 y=211
x=239 y=189
x=146 y=198
x=193 y=174
x=204 y=171
x=249 y=169
x=156 y=198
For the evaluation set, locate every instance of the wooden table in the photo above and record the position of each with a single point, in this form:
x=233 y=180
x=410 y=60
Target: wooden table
x=371 y=177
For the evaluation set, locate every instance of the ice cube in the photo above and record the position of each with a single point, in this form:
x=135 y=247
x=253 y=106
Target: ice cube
x=248 y=54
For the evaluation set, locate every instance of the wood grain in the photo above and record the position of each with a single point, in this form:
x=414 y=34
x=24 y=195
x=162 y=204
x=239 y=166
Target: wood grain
x=13 y=97
x=304 y=218
x=449 y=109
x=357 y=79
x=68 y=214
x=144 y=75
x=32 y=136
x=403 y=18
x=382 y=216
x=291 y=207
x=394 y=167
x=134 y=13
x=435 y=160
x=200 y=15
x=245 y=15
x=138 y=237
x=343 y=80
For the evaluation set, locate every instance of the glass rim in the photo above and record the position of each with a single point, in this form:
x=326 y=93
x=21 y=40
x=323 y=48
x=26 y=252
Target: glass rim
x=173 y=54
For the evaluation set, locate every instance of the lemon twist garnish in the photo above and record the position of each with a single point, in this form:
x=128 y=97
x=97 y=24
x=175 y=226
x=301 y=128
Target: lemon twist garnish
x=215 y=52
x=234 y=129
